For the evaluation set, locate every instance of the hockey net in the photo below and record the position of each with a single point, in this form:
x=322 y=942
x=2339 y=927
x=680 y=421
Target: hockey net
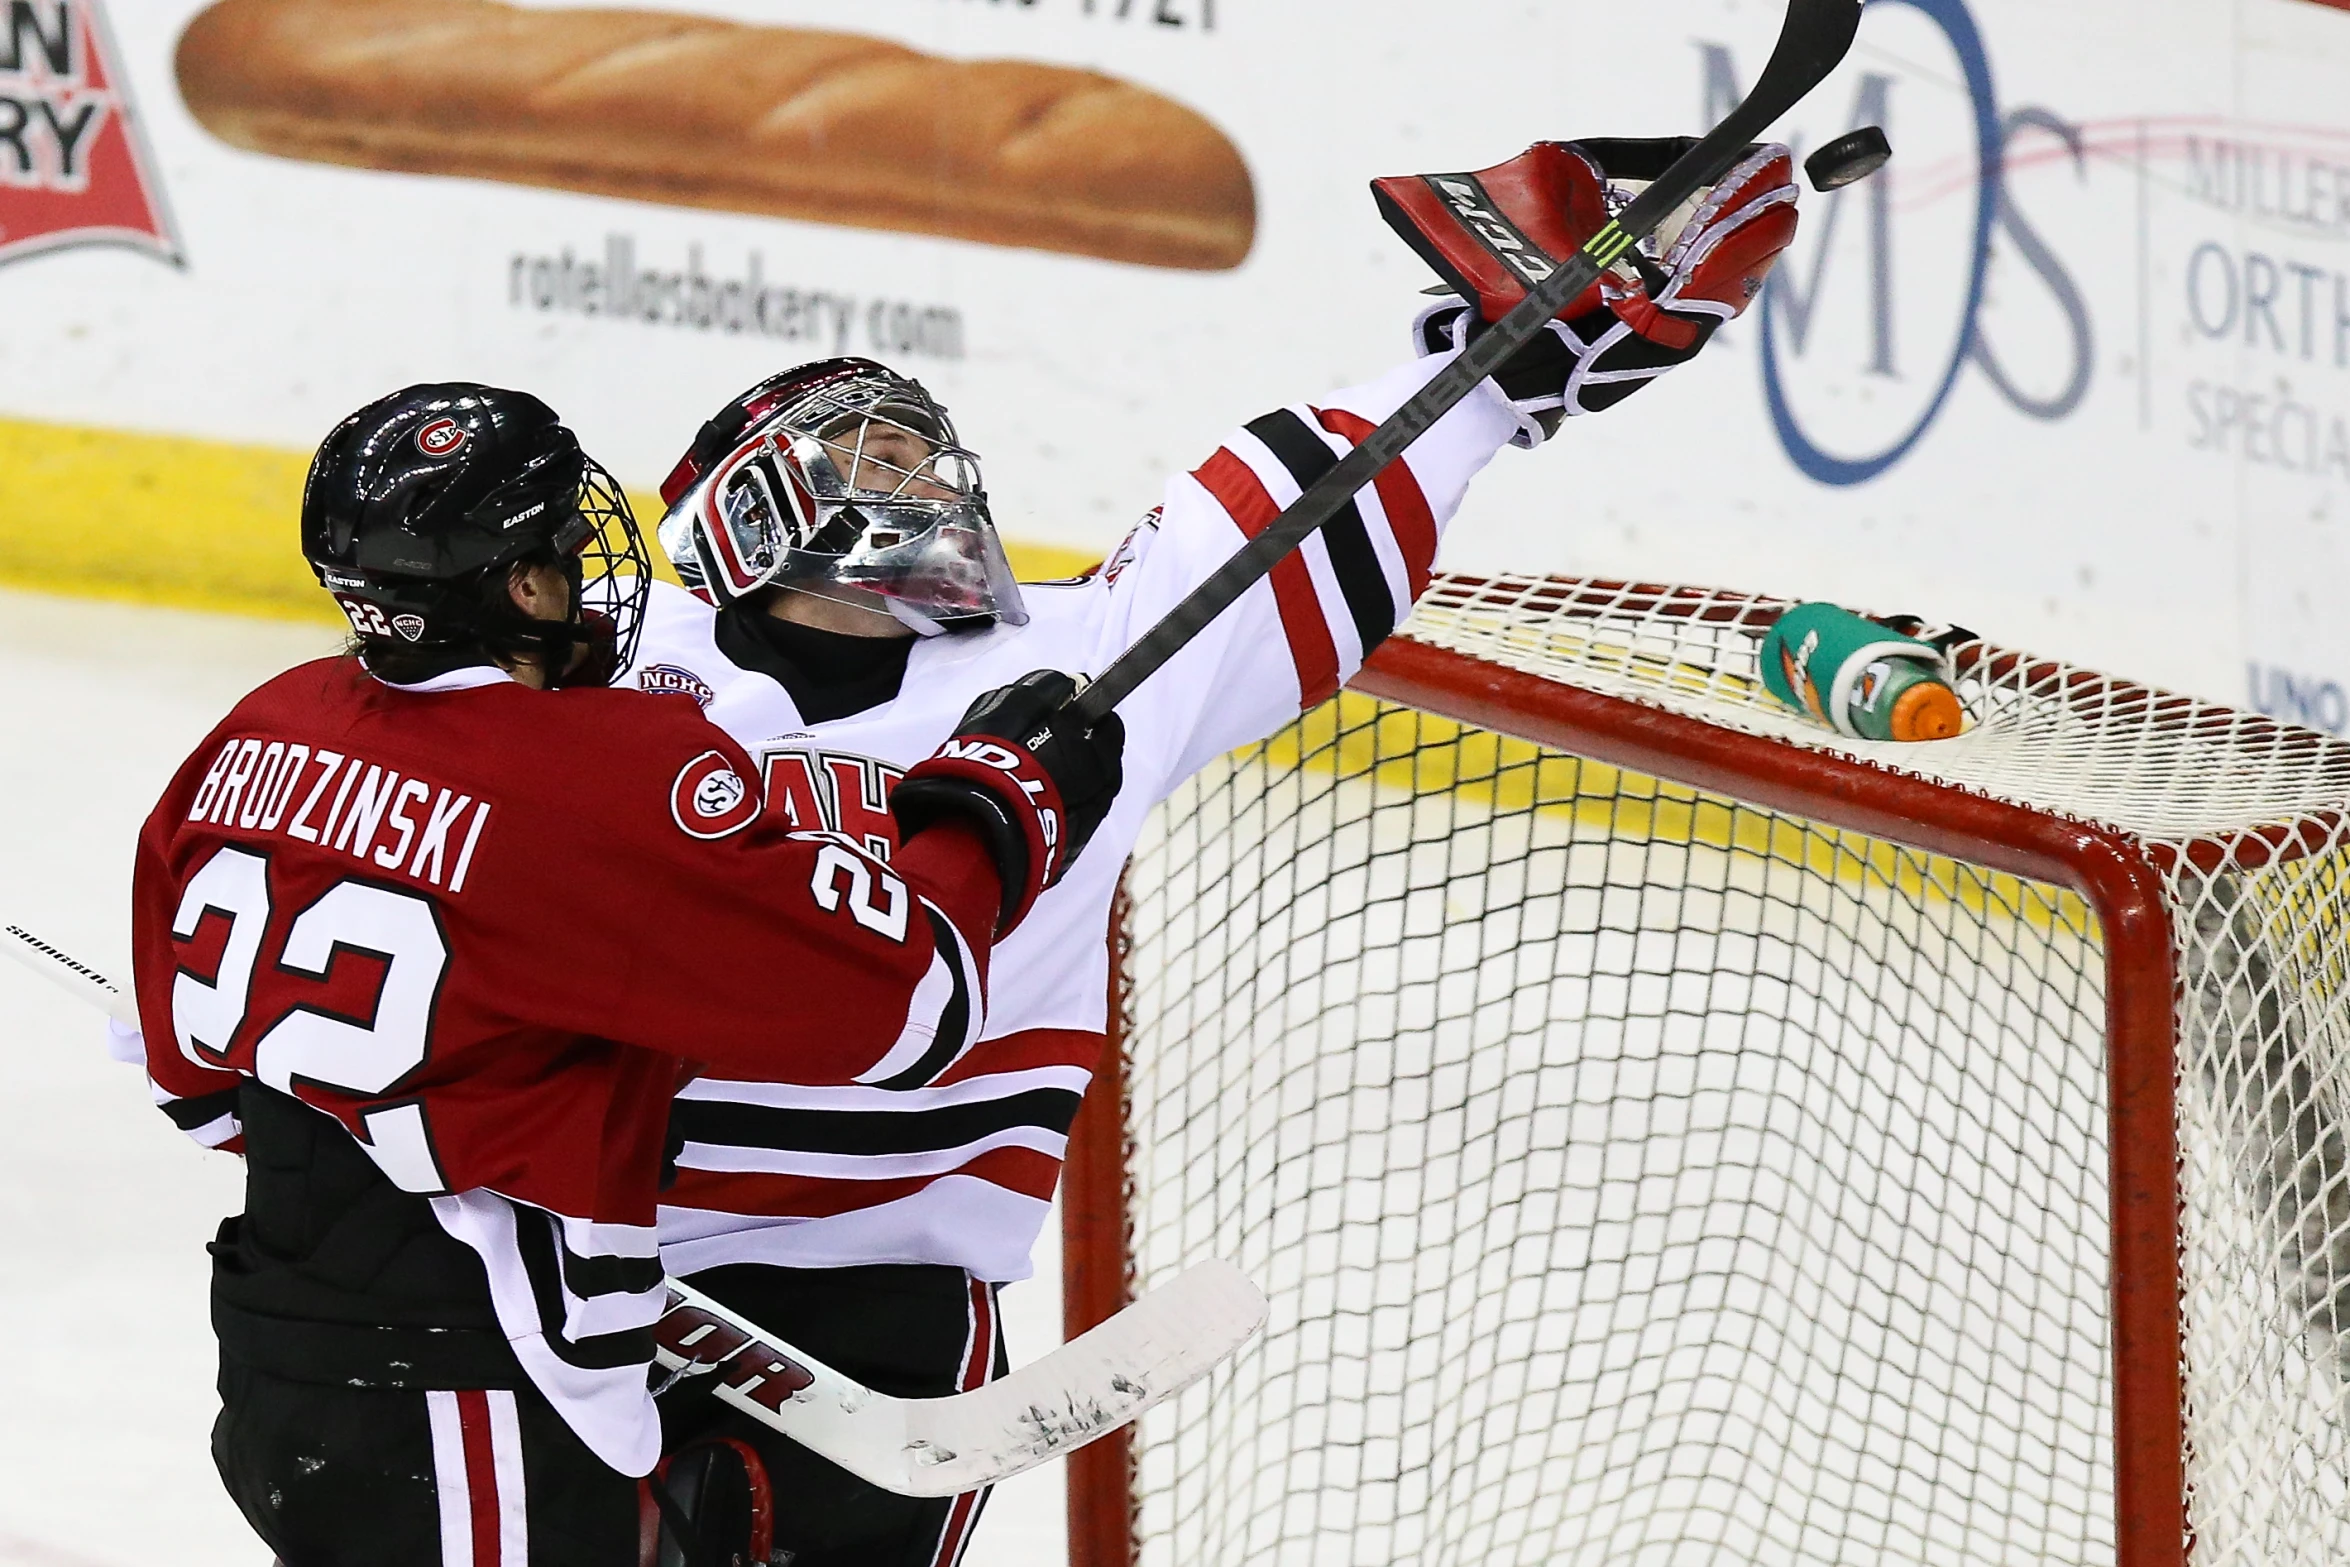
x=1669 y=1132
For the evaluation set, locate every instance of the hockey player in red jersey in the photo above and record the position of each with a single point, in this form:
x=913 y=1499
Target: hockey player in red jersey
x=431 y=933
x=849 y=597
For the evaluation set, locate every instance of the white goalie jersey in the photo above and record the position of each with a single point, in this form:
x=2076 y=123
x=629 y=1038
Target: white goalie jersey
x=959 y=1169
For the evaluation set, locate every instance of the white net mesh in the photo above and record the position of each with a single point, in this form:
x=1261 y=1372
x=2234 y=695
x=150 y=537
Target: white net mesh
x=1640 y=1175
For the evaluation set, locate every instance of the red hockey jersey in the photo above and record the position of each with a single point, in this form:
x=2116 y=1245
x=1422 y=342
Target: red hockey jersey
x=483 y=925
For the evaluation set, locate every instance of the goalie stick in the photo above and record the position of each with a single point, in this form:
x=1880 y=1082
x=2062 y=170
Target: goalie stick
x=1814 y=41
x=1098 y=1381
x=1089 y=1387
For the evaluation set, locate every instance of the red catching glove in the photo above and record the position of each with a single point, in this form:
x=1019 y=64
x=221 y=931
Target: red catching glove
x=1495 y=234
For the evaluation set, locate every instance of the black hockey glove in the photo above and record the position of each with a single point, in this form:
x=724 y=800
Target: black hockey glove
x=1943 y=639
x=1022 y=770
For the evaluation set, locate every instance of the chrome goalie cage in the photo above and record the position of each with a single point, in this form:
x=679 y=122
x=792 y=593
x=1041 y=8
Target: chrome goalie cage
x=1672 y=1133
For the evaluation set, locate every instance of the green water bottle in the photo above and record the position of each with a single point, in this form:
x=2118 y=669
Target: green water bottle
x=1858 y=677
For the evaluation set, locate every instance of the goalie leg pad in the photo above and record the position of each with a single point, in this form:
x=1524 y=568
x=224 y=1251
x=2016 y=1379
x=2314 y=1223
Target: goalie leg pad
x=910 y=1331
x=710 y=1505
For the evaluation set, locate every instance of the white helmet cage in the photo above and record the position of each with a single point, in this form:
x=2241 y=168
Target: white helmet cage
x=854 y=479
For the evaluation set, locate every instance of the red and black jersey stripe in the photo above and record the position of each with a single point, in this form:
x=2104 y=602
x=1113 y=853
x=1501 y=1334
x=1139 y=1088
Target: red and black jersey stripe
x=1370 y=602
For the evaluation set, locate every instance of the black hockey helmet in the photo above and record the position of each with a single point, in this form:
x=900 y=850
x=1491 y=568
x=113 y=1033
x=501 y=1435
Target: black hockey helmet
x=417 y=504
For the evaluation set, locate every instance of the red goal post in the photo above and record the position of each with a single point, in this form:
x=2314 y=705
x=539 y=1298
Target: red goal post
x=2139 y=802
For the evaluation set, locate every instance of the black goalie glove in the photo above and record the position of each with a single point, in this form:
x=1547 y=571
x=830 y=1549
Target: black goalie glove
x=1945 y=640
x=1022 y=768
x=1492 y=235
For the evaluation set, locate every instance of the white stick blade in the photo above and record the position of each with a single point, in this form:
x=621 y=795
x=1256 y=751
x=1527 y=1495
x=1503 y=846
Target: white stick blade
x=1089 y=1387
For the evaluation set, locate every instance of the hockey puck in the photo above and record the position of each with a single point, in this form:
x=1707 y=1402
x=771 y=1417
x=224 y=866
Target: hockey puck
x=1848 y=159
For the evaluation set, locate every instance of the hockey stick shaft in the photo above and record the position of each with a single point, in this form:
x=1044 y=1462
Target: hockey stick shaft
x=1814 y=40
x=1092 y=1385
x=68 y=973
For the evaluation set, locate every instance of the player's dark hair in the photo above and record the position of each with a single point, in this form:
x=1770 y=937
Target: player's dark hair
x=504 y=635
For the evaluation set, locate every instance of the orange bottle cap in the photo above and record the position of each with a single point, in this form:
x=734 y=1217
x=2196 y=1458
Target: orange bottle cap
x=1928 y=710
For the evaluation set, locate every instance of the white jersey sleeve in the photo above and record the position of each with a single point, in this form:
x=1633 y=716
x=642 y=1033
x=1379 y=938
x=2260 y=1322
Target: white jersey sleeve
x=1292 y=640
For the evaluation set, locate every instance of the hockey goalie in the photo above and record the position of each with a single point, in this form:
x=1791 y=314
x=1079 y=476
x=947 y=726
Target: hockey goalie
x=847 y=600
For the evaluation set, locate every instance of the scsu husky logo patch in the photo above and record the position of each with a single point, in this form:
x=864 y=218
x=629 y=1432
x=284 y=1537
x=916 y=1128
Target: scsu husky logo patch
x=710 y=799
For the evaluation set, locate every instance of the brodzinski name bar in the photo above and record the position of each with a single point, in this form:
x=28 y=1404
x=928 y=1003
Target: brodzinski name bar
x=691 y=298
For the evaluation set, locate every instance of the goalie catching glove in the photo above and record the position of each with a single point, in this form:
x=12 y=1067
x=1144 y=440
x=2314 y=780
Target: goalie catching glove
x=1023 y=770
x=1496 y=234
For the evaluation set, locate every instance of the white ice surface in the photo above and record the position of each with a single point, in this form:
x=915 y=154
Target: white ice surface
x=106 y=1393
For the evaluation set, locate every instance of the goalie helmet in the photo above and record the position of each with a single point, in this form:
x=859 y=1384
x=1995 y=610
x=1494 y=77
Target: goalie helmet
x=841 y=473
x=417 y=505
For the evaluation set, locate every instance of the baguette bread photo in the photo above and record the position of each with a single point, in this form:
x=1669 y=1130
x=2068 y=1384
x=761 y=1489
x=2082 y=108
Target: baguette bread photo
x=790 y=122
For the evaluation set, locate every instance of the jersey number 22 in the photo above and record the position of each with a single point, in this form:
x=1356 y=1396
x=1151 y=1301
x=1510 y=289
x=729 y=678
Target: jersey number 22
x=366 y=1058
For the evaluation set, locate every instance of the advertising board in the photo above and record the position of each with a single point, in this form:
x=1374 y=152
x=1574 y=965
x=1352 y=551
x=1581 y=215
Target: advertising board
x=2075 y=371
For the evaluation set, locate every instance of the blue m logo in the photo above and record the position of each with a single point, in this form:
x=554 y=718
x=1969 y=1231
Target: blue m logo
x=1879 y=350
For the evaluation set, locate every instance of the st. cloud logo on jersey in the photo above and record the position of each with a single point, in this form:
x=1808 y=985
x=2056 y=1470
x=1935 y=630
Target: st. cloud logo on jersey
x=441 y=438
x=717 y=794
x=710 y=799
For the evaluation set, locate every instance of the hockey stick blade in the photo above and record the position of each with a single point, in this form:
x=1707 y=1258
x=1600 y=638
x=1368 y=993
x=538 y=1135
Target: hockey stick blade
x=68 y=973
x=1816 y=37
x=1089 y=1387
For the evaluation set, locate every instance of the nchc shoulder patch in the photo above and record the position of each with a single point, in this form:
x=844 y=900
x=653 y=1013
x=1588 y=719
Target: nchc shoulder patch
x=674 y=680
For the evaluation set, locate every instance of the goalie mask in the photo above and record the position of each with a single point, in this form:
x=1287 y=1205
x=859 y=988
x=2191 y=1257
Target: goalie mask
x=840 y=473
